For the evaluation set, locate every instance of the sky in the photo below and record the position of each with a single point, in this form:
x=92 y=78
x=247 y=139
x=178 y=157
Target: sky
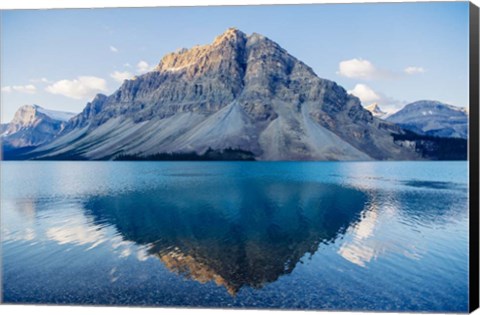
x=391 y=54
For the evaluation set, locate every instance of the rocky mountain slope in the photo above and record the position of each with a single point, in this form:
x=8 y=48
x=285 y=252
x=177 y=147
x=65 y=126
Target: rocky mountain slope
x=432 y=118
x=3 y=127
x=31 y=126
x=242 y=93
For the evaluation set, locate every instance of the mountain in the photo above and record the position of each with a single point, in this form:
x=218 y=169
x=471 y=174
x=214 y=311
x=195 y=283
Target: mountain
x=31 y=126
x=376 y=111
x=433 y=118
x=243 y=94
x=3 y=127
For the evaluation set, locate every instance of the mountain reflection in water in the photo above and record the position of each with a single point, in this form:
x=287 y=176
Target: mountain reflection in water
x=235 y=236
x=366 y=236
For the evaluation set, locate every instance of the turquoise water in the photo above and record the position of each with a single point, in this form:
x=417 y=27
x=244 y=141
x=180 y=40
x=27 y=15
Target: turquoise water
x=296 y=235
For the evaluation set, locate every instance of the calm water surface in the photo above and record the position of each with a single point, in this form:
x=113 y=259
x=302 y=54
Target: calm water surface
x=326 y=235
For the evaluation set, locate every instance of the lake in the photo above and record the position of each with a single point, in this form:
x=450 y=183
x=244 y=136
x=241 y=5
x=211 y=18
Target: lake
x=371 y=236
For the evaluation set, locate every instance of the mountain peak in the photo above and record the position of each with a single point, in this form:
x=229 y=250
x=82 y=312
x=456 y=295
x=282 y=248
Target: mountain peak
x=28 y=107
x=433 y=118
x=25 y=115
x=28 y=115
x=33 y=125
x=373 y=107
x=230 y=34
x=433 y=104
x=184 y=58
x=375 y=110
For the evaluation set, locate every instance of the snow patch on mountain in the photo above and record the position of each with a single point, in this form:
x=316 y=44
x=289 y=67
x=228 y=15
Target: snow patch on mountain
x=55 y=114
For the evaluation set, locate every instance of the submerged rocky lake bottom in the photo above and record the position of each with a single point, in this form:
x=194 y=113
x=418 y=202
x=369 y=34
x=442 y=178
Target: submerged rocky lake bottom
x=372 y=236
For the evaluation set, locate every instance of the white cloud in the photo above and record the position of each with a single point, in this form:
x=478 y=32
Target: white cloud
x=127 y=65
x=121 y=76
x=113 y=49
x=28 y=89
x=143 y=66
x=368 y=96
x=358 y=68
x=80 y=88
x=40 y=80
x=414 y=70
x=365 y=94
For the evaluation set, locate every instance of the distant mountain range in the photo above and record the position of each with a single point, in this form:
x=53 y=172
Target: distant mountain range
x=32 y=126
x=242 y=97
x=432 y=118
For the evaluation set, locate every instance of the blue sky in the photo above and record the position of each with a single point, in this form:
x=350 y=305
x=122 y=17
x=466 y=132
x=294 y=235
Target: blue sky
x=386 y=53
